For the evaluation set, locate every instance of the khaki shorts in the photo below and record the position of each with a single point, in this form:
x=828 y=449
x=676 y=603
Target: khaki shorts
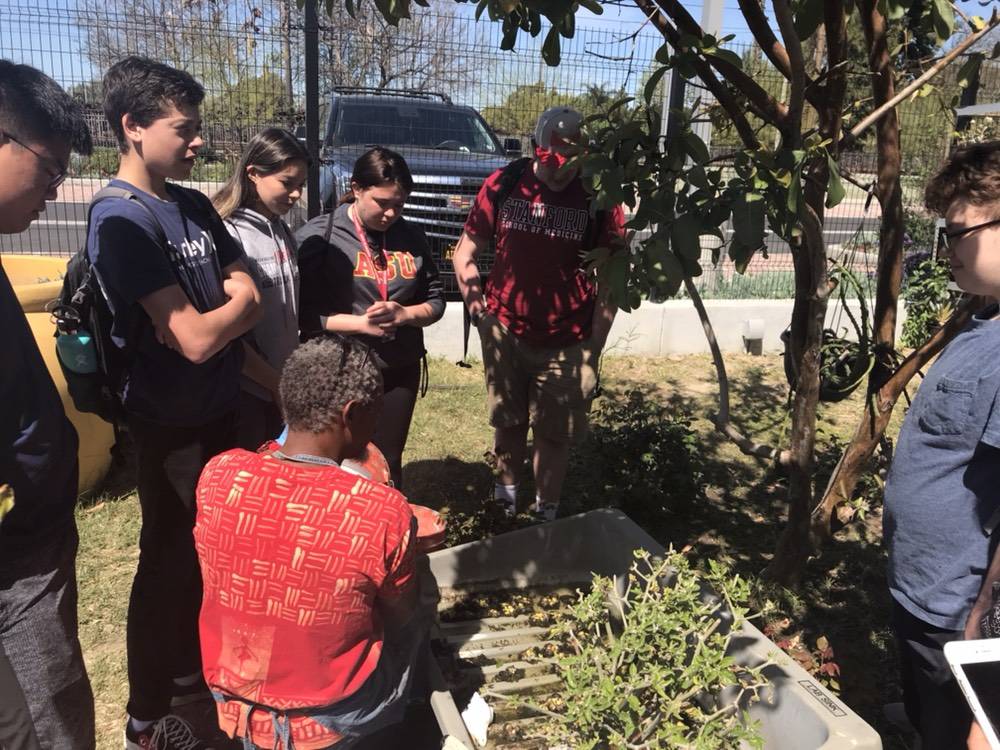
x=549 y=389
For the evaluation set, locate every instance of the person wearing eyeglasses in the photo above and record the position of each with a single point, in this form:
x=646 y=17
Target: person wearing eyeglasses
x=311 y=633
x=942 y=494
x=367 y=272
x=45 y=695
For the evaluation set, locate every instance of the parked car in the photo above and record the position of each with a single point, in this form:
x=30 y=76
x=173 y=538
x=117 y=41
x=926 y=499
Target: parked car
x=449 y=147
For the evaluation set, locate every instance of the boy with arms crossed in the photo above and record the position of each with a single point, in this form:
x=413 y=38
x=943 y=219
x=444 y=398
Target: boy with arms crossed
x=180 y=295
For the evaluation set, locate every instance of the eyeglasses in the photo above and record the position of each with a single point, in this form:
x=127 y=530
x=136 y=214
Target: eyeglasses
x=56 y=175
x=945 y=239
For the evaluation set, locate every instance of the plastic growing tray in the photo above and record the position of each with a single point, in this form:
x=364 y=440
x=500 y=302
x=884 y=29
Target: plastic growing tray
x=795 y=713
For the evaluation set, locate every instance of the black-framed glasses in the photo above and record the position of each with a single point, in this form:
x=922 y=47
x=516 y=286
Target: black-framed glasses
x=946 y=238
x=56 y=175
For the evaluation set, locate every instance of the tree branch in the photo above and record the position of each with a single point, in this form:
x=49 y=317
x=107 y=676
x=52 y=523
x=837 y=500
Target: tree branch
x=753 y=12
x=764 y=105
x=721 y=420
x=930 y=73
x=725 y=97
x=797 y=92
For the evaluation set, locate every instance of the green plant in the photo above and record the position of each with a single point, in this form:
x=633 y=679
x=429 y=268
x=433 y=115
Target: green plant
x=928 y=300
x=647 y=664
x=643 y=458
x=102 y=162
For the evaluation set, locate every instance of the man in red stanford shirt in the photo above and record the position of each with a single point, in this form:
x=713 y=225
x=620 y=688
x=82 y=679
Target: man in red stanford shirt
x=540 y=320
x=310 y=632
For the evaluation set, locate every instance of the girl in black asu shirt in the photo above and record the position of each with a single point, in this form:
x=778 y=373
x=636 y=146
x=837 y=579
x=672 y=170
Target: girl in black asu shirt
x=366 y=272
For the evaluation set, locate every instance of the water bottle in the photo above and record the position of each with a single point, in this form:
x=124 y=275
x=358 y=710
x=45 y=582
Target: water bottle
x=77 y=351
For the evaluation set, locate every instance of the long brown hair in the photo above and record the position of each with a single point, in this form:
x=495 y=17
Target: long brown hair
x=267 y=152
x=379 y=166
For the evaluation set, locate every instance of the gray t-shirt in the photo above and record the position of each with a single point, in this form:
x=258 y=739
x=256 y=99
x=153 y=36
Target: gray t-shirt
x=272 y=259
x=944 y=485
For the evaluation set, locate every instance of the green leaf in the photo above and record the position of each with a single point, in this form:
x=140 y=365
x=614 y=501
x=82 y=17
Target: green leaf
x=663 y=53
x=650 y=88
x=794 y=197
x=968 y=71
x=944 y=19
x=695 y=147
x=685 y=236
x=808 y=16
x=835 y=192
x=726 y=55
x=892 y=9
x=748 y=220
x=551 y=48
x=593 y=6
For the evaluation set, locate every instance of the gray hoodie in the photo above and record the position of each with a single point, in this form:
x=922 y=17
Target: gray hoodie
x=272 y=257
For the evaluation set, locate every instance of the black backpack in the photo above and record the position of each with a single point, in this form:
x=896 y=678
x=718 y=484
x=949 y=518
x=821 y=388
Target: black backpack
x=509 y=177
x=83 y=305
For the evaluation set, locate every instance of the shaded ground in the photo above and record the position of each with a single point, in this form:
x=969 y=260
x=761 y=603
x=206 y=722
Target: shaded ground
x=737 y=517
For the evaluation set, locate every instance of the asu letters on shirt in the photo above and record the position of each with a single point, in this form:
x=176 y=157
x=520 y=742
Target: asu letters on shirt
x=537 y=288
x=338 y=276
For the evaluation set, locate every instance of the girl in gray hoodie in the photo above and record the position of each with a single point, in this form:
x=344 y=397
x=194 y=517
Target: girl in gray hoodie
x=266 y=184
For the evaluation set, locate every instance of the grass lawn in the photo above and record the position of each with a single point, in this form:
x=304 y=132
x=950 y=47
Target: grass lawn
x=737 y=515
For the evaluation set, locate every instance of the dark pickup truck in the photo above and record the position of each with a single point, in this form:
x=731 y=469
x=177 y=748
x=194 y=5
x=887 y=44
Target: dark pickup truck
x=449 y=148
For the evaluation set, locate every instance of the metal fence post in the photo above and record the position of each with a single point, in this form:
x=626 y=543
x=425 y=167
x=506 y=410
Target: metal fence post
x=312 y=105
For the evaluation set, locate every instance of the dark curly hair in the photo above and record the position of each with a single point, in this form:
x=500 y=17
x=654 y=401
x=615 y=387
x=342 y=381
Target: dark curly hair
x=324 y=374
x=971 y=173
x=142 y=88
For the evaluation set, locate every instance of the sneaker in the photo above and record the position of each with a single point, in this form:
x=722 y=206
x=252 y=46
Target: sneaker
x=502 y=507
x=545 y=511
x=169 y=733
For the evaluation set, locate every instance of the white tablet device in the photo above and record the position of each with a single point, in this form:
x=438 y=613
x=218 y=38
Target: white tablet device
x=976 y=665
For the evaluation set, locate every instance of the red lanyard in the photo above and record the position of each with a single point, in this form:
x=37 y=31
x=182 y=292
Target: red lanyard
x=381 y=270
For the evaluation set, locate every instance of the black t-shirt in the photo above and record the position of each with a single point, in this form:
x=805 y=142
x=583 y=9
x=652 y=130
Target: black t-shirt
x=336 y=278
x=126 y=248
x=38 y=444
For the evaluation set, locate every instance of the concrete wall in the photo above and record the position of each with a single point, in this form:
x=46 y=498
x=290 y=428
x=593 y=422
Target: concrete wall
x=658 y=328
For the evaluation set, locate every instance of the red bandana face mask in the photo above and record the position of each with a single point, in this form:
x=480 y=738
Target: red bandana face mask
x=550 y=159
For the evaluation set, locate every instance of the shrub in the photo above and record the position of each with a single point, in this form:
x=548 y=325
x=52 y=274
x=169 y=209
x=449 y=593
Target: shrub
x=647 y=664
x=640 y=458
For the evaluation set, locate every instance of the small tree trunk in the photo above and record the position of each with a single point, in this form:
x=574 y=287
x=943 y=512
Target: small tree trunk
x=878 y=408
x=808 y=317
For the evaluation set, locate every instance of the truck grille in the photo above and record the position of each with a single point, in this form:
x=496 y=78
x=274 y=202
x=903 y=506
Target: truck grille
x=440 y=205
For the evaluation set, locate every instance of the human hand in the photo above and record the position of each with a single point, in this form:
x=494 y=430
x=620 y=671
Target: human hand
x=972 y=631
x=387 y=314
x=235 y=289
x=365 y=327
x=977 y=738
x=166 y=338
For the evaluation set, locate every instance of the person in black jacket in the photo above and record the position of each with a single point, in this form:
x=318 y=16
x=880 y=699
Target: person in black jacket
x=367 y=272
x=45 y=695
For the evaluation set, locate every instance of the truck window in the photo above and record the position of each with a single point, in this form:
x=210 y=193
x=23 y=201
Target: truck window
x=412 y=125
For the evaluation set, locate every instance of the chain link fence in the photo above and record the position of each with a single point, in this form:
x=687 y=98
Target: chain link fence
x=475 y=106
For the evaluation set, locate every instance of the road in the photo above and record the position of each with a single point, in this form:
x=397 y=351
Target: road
x=61 y=230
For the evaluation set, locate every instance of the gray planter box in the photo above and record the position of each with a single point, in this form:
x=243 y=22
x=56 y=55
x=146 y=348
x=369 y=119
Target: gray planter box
x=800 y=713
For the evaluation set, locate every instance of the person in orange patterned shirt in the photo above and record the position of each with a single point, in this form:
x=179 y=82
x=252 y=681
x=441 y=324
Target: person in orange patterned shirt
x=310 y=629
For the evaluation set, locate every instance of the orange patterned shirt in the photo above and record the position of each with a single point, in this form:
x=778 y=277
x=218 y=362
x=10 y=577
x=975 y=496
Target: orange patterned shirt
x=293 y=558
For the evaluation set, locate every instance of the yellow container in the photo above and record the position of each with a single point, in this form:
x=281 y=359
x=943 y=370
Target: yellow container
x=37 y=280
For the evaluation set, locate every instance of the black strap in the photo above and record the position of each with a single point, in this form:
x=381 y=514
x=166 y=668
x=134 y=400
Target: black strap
x=329 y=225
